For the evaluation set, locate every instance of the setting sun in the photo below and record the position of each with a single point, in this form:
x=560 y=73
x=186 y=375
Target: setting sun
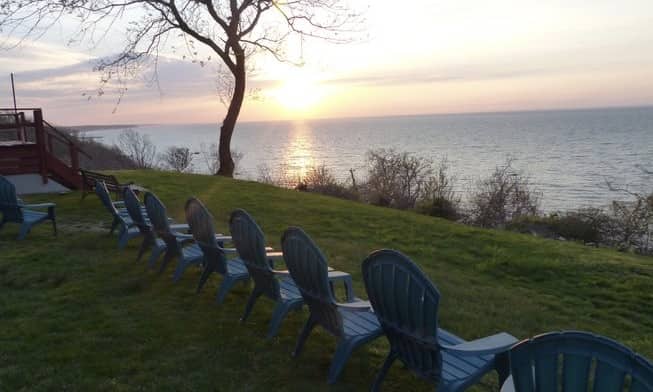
x=299 y=93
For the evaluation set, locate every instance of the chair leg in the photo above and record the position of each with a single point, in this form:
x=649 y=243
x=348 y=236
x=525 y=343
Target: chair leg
x=250 y=304
x=343 y=352
x=502 y=366
x=308 y=327
x=227 y=283
x=378 y=380
x=53 y=217
x=179 y=271
x=156 y=253
x=145 y=245
x=206 y=272
x=122 y=240
x=167 y=256
x=114 y=224
x=279 y=314
x=24 y=230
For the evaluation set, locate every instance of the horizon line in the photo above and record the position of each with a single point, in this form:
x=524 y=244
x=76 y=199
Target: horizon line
x=462 y=113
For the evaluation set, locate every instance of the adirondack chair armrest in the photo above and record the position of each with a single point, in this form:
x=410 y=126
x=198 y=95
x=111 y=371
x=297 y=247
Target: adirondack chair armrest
x=39 y=205
x=228 y=250
x=283 y=273
x=119 y=204
x=358 y=305
x=182 y=236
x=269 y=249
x=494 y=344
x=177 y=227
x=274 y=255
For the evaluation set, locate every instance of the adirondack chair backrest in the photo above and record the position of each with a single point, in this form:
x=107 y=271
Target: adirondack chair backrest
x=156 y=211
x=200 y=222
x=9 y=205
x=134 y=210
x=406 y=303
x=308 y=268
x=250 y=244
x=577 y=360
x=103 y=193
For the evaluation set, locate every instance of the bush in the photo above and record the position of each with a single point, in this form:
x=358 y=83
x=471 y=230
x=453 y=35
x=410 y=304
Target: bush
x=504 y=196
x=139 y=148
x=630 y=225
x=585 y=225
x=395 y=179
x=319 y=179
x=178 y=159
x=439 y=198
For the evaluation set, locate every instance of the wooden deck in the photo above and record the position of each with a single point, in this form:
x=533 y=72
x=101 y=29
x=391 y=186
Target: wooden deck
x=30 y=145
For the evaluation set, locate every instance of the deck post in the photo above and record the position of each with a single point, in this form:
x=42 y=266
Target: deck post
x=40 y=143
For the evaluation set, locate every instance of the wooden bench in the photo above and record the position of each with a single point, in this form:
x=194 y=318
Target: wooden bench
x=90 y=177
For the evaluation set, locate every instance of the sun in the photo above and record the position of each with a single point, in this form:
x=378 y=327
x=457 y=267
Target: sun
x=299 y=93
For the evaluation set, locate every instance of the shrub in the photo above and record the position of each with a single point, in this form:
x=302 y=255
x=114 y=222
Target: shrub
x=630 y=225
x=395 y=179
x=178 y=159
x=439 y=198
x=504 y=196
x=320 y=179
x=139 y=148
x=585 y=225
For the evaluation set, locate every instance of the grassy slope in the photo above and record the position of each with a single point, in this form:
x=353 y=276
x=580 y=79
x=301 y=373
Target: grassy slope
x=77 y=313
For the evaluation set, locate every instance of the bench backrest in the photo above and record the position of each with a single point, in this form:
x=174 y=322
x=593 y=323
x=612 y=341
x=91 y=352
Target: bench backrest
x=90 y=178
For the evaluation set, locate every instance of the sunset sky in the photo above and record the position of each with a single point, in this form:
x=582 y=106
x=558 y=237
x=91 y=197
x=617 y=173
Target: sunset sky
x=431 y=57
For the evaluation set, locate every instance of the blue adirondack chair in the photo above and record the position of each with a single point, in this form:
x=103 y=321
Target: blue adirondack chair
x=176 y=244
x=150 y=240
x=406 y=304
x=575 y=360
x=249 y=241
x=353 y=324
x=127 y=230
x=214 y=254
x=15 y=211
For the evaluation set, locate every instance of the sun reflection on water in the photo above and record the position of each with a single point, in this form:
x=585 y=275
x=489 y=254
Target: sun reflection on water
x=298 y=159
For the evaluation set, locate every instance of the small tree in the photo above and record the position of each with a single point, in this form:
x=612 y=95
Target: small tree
x=139 y=148
x=439 y=196
x=231 y=30
x=178 y=159
x=502 y=197
x=396 y=179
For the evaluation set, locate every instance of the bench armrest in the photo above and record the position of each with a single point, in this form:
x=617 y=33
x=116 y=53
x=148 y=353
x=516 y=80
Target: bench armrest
x=494 y=344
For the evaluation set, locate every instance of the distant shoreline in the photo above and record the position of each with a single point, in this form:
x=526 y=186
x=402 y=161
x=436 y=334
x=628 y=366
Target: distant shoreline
x=90 y=128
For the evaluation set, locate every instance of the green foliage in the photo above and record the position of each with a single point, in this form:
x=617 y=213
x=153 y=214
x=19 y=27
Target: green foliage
x=77 y=314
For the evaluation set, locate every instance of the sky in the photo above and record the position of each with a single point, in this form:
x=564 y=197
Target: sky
x=431 y=57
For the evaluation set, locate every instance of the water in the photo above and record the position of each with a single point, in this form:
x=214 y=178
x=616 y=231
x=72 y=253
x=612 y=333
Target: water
x=568 y=155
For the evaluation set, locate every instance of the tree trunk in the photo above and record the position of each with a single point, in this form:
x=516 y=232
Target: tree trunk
x=226 y=131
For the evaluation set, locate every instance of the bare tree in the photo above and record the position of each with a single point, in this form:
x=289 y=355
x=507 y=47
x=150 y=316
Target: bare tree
x=502 y=197
x=396 y=179
x=139 y=148
x=178 y=159
x=231 y=30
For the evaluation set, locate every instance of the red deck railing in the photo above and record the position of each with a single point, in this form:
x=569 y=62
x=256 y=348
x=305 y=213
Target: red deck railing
x=28 y=142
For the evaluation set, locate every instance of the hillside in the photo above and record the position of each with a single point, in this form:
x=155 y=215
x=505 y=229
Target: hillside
x=79 y=314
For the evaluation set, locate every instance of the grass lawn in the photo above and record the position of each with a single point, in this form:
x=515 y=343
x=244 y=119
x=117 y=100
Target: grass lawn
x=77 y=314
